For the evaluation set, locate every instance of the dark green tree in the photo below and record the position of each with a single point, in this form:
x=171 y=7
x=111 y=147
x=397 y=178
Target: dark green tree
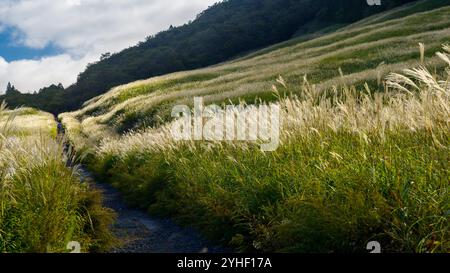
x=10 y=89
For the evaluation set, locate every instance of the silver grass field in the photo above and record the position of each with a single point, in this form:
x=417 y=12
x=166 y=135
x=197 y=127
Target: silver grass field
x=353 y=166
x=43 y=203
x=364 y=150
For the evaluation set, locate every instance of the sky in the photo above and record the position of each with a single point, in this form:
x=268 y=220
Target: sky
x=51 y=41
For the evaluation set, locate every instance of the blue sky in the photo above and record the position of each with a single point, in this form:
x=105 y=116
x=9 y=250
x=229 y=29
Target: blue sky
x=10 y=50
x=46 y=41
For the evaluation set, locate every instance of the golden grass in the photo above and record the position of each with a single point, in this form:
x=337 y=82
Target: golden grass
x=353 y=49
x=28 y=121
x=315 y=110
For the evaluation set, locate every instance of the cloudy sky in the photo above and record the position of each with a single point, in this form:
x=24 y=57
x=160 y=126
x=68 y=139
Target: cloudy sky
x=51 y=41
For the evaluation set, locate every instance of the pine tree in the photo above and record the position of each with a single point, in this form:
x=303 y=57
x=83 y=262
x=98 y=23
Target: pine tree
x=10 y=89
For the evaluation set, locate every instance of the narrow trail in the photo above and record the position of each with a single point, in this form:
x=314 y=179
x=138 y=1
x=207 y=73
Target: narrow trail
x=141 y=233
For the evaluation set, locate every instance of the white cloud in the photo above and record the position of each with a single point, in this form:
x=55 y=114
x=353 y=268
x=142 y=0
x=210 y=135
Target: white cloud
x=30 y=75
x=83 y=29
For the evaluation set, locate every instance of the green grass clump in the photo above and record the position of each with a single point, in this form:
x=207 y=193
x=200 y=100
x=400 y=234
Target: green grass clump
x=302 y=198
x=43 y=203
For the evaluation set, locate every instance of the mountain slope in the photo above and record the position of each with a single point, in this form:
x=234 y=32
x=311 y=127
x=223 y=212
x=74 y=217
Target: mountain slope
x=364 y=53
x=219 y=33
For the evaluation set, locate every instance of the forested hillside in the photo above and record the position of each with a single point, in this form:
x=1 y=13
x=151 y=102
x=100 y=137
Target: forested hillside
x=223 y=31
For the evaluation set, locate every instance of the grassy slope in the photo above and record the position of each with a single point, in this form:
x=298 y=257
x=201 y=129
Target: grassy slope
x=358 y=51
x=344 y=175
x=43 y=204
x=29 y=122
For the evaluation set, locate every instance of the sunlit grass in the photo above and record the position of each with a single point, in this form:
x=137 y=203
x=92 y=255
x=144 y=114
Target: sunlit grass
x=354 y=166
x=364 y=152
x=358 y=51
x=29 y=122
x=43 y=203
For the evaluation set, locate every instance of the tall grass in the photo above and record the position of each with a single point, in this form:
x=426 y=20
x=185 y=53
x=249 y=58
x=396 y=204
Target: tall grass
x=43 y=203
x=353 y=166
x=358 y=50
